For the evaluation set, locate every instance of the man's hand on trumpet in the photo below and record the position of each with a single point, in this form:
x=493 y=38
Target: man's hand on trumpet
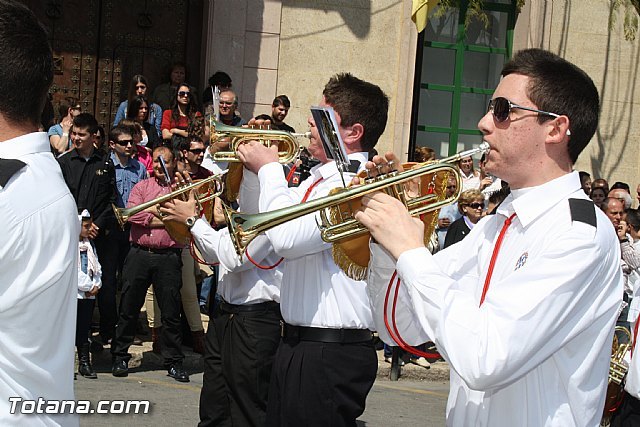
x=381 y=213
x=176 y=209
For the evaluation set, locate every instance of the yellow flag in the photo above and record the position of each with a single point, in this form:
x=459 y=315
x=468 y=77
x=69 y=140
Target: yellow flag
x=420 y=11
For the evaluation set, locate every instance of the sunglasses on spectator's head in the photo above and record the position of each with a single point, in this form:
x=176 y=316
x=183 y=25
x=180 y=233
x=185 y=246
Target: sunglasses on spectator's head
x=501 y=107
x=476 y=205
x=125 y=142
x=184 y=93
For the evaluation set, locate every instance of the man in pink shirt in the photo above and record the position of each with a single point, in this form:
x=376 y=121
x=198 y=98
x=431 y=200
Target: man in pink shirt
x=154 y=258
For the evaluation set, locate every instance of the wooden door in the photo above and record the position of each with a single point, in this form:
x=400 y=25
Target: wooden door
x=99 y=45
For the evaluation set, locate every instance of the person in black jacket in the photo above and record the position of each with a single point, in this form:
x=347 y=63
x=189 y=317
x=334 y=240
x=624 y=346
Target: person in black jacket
x=90 y=176
x=471 y=205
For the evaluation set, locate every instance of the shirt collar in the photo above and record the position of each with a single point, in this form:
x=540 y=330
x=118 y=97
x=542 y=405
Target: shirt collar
x=31 y=143
x=75 y=154
x=530 y=203
x=327 y=170
x=116 y=161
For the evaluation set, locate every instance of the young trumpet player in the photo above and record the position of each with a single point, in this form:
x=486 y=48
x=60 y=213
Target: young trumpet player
x=326 y=362
x=523 y=308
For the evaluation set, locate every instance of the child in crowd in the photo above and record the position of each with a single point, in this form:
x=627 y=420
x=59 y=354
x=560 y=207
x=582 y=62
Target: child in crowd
x=89 y=282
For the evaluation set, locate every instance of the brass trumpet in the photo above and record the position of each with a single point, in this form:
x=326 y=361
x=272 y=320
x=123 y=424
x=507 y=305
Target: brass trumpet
x=288 y=147
x=245 y=227
x=211 y=187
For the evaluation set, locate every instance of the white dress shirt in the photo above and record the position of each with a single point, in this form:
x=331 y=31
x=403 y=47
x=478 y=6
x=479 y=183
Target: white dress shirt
x=39 y=281
x=314 y=292
x=240 y=281
x=632 y=384
x=536 y=353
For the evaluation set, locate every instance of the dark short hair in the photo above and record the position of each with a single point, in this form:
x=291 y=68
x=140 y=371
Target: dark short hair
x=361 y=102
x=26 y=63
x=620 y=185
x=185 y=143
x=178 y=141
x=281 y=100
x=119 y=131
x=86 y=121
x=220 y=78
x=633 y=218
x=560 y=87
x=135 y=129
x=263 y=117
x=582 y=174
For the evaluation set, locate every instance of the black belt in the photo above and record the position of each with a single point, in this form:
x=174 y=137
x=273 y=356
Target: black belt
x=247 y=308
x=157 y=250
x=343 y=336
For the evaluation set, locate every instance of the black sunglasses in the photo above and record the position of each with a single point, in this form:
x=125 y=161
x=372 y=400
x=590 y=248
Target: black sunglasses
x=197 y=151
x=501 y=107
x=184 y=93
x=476 y=205
x=125 y=142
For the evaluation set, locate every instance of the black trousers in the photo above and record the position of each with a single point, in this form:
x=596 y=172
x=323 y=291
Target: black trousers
x=239 y=353
x=629 y=413
x=83 y=321
x=112 y=248
x=141 y=269
x=320 y=384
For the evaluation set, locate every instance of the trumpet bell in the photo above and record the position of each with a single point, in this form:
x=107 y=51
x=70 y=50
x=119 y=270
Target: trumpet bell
x=351 y=240
x=288 y=146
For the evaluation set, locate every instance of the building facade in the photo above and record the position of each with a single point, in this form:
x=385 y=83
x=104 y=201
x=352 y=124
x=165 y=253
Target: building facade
x=439 y=81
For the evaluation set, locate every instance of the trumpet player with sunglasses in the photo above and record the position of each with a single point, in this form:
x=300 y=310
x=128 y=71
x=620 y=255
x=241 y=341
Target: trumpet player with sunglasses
x=524 y=307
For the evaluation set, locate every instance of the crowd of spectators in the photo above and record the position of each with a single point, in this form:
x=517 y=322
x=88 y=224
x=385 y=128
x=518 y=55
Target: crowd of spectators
x=122 y=169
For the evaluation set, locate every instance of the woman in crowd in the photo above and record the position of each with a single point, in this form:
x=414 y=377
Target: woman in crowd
x=471 y=206
x=470 y=176
x=138 y=87
x=184 y=110
x=597 y=195
x=139 y=112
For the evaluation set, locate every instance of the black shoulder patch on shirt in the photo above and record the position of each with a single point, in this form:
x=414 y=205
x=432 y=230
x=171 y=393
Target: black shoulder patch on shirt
x=583 y=210
x=8 y=167
x=354 y=165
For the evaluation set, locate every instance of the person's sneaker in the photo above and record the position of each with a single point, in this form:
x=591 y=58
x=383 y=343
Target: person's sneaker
x=420 y=361
x=120 y=368
x=177 y=372
x=388 y=360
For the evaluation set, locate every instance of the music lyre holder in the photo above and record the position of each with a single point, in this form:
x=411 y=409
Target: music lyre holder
x=327 y=125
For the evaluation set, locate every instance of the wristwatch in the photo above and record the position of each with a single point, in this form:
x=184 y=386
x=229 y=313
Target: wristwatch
x=191 y=221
